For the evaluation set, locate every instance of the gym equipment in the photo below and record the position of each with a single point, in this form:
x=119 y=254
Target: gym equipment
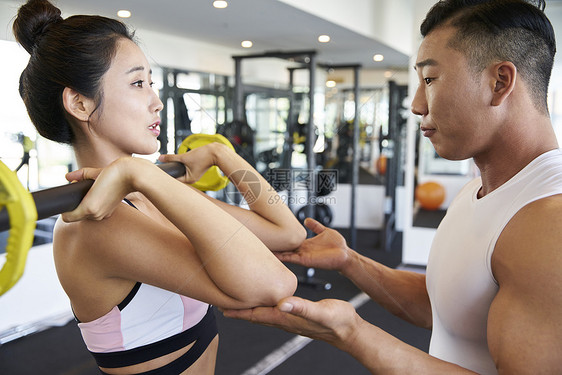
x=28 y=145
x=213 y=179
x=393 y=150
x=351 y=138
x=23 y=209
x=242 y=137
x=322 y=213
x=381 y=164
x=430 y=195
x=20 y=207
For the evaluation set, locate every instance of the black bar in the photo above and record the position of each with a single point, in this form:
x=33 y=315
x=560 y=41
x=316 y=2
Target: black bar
x=310 y=142
x=174 y=169
x=238 y=106
x=278 y=54
x=339 y=66
x=356 y=157
x=66 y=198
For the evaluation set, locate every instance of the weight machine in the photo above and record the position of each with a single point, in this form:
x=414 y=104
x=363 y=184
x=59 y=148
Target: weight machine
x=306 y=60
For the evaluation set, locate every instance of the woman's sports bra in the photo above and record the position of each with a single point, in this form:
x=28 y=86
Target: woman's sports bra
x=149 y=323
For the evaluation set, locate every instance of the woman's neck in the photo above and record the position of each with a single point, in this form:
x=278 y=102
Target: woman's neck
x=88 y=155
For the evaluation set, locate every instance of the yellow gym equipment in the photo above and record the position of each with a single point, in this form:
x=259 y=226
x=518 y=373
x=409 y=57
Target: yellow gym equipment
x=213 y=179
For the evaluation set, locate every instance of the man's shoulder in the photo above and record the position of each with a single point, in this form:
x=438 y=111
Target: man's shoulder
x=533 y=235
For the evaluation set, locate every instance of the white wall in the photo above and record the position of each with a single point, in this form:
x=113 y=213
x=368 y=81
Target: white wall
x=7 y=13
x=189 y=54
x=369 y=78
x=383 y=20
x=355 y=15
x=416 y=241
x=554 y=12
x=181 y=53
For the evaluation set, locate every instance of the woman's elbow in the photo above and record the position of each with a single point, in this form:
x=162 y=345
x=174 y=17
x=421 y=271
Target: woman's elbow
x=293 y=238
x=300 y=236
x=288 y=287
x=261 y=293
x=283 y=287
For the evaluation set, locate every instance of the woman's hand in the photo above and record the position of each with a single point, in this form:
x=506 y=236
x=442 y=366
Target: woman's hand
x=197 y=161
x=327 y=250
x=112 y=184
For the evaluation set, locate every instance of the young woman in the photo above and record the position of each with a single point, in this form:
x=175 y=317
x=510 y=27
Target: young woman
x=144 y=255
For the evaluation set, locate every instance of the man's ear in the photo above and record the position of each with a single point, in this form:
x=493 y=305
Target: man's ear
x=504 y=76
x=76 y=104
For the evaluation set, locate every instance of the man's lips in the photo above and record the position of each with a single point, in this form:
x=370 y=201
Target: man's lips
x=427 y=132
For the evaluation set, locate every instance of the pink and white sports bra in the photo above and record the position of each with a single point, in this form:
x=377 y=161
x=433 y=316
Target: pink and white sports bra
x=149 y=323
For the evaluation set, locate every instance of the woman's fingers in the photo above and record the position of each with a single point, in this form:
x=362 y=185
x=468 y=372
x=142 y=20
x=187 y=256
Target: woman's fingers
x=165 y=158
x=83 y=174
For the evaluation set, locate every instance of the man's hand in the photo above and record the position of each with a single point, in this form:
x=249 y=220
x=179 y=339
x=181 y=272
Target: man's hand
x=330 y=320
x=328 y=250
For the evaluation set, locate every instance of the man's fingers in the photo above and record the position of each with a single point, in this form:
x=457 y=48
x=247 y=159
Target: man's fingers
x=288 y=256
x=314 y=225
x=268 y=316
x=237 y=314
x=295 y=306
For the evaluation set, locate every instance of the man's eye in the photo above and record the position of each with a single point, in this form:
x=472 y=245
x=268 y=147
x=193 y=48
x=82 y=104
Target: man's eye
x=428 y=80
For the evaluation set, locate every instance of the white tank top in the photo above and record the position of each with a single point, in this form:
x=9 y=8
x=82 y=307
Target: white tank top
x=459 y=276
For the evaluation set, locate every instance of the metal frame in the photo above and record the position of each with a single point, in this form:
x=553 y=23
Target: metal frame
x=308 y=60
x=355 y=161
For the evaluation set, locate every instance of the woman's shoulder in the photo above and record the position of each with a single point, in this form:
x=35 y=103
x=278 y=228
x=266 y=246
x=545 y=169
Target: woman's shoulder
x=82 y=236
x=78 y=250
x=82 y=244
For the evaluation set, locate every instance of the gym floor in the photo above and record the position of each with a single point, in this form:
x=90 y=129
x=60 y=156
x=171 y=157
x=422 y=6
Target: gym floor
x=244 y=348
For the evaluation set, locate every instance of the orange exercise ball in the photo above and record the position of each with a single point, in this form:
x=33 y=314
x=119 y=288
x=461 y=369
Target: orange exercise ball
x=381 y=164
x=430 y=195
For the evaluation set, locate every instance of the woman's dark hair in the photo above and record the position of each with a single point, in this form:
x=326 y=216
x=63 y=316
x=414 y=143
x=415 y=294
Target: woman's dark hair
x=73 y=52
x=505 y=30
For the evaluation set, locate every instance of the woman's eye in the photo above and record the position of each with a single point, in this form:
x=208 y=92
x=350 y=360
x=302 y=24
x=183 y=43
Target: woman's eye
x=138 y=83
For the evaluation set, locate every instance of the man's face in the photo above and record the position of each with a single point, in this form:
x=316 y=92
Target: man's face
x=453 y=102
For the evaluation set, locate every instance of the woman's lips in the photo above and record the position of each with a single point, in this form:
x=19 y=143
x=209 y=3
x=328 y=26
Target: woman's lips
x=154 y=128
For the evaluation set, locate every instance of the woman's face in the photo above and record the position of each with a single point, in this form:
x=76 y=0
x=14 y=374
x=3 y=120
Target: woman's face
x=127 y=120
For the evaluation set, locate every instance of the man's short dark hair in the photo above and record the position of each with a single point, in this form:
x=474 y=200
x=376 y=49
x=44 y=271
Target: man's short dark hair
x=506 y=30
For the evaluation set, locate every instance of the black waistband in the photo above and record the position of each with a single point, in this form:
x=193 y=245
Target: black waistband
x=202 y=333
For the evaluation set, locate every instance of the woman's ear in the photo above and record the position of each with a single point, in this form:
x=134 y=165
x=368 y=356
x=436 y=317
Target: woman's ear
x=76 y=104
x=504 y=77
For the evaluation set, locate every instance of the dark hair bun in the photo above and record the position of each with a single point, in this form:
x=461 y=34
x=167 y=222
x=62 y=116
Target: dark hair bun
x=33 y=20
